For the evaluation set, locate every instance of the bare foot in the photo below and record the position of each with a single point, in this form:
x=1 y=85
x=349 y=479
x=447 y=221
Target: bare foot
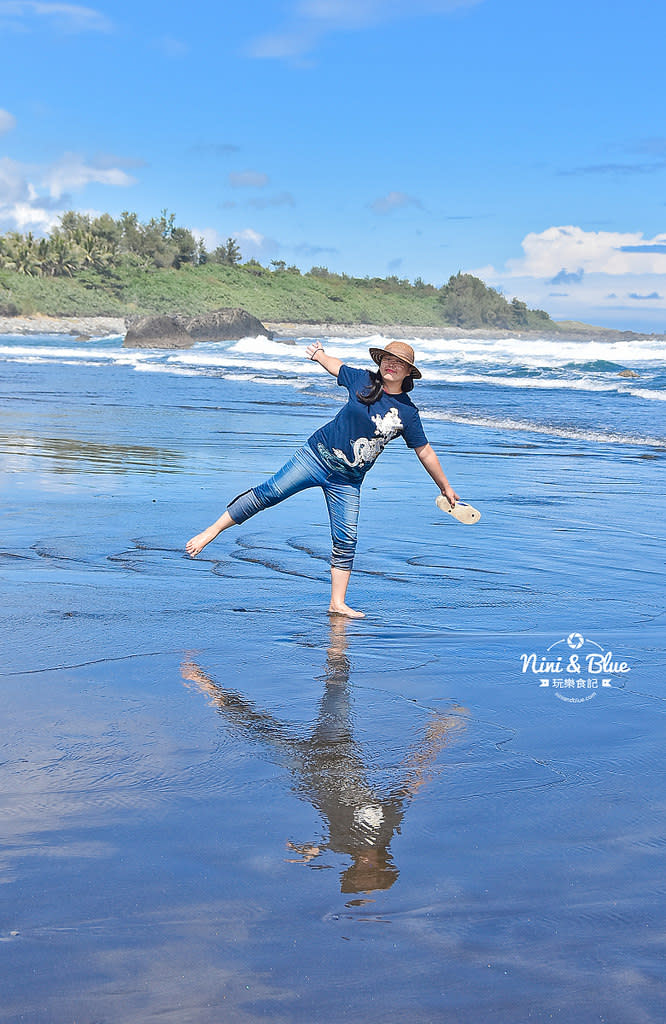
x=344 y=609
x=196 y=544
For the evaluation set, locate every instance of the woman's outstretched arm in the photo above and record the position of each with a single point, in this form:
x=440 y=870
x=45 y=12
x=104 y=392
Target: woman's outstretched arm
x=315 y=351
x=432 y=465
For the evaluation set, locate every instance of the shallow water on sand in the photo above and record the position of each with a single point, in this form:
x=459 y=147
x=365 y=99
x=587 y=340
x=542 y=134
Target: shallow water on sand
x=221 y=805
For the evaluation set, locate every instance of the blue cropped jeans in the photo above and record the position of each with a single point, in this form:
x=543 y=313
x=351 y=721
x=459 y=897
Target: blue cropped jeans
x=301 y=471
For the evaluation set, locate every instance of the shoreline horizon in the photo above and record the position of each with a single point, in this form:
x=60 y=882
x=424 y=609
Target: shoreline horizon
x=87 y=327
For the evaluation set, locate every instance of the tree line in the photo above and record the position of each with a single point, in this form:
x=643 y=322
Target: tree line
x=467 y=302
x=104 y=244
x=96 y=249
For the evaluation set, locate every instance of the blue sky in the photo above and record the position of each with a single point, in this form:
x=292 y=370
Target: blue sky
x=522 y=141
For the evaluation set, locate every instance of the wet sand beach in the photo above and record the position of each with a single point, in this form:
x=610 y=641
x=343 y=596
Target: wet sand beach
x=220 y=804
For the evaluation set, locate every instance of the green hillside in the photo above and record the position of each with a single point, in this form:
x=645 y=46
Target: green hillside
x=107 y=267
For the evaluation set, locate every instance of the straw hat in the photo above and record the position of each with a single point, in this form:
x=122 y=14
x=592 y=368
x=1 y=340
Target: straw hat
x=399 y=349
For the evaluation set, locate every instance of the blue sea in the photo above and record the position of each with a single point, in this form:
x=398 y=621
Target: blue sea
x=564 y=390
x=221 y=804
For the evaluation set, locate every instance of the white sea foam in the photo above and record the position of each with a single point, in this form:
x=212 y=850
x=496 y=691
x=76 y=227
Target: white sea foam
x=180 y=371
x=542 y=353
x=552 y=430
x=490 y=366
x=265 y=346
x=85 y=352
x=528 y=351
x=257 y=379
x=221 y=360
x=263 y=356
x=544 y=383
x=538 y=352
x=653 y=396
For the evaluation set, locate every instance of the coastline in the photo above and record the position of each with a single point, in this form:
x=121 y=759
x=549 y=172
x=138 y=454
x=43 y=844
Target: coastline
x=82 y=327
x=571 y=330
x=85 y=327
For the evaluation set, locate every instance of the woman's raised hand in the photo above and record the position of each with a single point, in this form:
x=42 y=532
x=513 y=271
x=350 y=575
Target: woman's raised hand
x=331 y=364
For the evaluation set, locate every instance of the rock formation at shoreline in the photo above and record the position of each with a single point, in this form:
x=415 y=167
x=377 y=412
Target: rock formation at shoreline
x=182 y=331
x=223 y=325
x=156 y=332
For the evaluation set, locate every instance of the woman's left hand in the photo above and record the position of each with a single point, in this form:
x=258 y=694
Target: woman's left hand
x=449 y=493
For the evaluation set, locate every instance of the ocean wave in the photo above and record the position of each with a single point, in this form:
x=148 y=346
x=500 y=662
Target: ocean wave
x=264 y=346
x=650 y=394
x=543 y=383
x=540 y=352
x=596 y=366
x=255 y=378
x=221 y=360
x=84 y=352
x=529 y=353
x=552 y=430
x=543 y=353
x=537 y=352
x=244 y=359
x=260 y=357
x=173 y=371
x=356 y=344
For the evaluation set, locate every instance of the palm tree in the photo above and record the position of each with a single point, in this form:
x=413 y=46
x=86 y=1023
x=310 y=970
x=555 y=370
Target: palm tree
x=22 y=255
x=63 y=258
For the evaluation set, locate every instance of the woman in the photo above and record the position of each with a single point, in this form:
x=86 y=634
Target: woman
x=339 y=454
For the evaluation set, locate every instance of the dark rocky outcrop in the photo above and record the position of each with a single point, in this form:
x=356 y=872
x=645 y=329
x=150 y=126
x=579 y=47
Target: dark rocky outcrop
x=179 y=331
x=224 y=325
x=156 y=332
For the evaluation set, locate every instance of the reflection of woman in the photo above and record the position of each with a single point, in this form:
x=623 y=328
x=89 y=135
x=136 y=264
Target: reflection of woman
x=339 y=454
x=328 y=770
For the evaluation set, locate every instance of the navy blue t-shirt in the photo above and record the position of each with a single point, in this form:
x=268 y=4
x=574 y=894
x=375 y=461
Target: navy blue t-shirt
x=351 y=442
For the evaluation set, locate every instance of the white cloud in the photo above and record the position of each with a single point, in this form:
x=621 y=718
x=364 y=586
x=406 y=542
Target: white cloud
x=251 y=243
x=32 y=217
x=394 y=201
x=7 y=122
x=255 y=245
x=20 y=14
x=211 y=237
x=598 y=276
x=248 y=235
x=33 y=198
x=13 y=182
x=311 y=20
x=572 y=249
x=72 y=173
x=248 y=179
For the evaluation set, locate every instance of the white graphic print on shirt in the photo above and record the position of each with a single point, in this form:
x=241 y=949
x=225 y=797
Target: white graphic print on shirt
x=367 y=449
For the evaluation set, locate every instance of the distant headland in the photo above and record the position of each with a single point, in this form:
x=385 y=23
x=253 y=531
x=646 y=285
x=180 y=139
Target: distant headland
x=92 y=275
